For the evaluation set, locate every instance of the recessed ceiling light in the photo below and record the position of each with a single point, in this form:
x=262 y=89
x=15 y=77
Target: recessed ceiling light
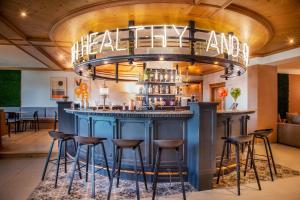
x=61 y=57
x=291 y=41
x=23 y=14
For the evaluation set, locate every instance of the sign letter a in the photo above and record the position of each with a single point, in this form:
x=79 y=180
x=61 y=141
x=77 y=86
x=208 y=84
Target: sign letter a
x=212 y=42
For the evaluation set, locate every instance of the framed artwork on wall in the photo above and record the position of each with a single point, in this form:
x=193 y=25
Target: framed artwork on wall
x=58 y=87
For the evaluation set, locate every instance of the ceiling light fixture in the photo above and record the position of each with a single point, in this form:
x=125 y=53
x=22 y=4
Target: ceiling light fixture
x=61 y=56
x=23 y=14
x=291 y=41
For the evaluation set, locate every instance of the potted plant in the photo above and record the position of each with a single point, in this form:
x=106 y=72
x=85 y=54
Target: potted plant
x=235 y=93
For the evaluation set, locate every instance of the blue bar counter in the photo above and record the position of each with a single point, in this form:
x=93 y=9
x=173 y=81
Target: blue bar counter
x=197 y=127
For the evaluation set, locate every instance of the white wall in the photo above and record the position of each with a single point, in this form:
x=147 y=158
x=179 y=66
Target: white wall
x=35 y=87
x=240 y=82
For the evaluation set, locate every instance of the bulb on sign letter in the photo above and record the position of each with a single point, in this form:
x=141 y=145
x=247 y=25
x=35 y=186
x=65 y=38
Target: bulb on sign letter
x=162 y=37
x=85 y=46
x=117 y=41
x=235 y=46
x=137 y=28
x=180 y=34
x=224 y=44
x=213 y=42
x=92 y=43
x=106 y=43
x=245 y=54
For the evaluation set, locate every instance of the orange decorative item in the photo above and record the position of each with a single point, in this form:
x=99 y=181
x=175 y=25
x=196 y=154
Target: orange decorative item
x=81 y=91
x=77 y=92
x=83 y=87
x=222 y=92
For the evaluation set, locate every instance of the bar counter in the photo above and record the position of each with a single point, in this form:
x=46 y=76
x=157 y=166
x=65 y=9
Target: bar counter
x=201 y=128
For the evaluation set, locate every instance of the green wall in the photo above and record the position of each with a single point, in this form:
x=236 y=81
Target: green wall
x=283 y=94
x=10 y=88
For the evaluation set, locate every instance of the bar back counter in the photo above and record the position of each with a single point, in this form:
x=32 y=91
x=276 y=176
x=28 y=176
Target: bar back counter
x=201 y=128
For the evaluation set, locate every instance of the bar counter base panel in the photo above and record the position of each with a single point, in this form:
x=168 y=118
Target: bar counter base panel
x=197 y=127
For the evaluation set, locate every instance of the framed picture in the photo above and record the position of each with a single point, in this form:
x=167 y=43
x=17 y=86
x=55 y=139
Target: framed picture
x=58 y=87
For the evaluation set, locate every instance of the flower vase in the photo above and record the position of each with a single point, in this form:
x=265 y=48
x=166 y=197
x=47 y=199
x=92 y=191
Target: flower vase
x=234 y=105
x=223 y=104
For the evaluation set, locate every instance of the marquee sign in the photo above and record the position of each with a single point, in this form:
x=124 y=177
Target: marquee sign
x=180 y=41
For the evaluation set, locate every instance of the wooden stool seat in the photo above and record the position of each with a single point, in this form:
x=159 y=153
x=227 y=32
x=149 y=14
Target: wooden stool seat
x=134 y=145
x=167 y=144
x=60 y=135
x=239 y=142
x=62 y=140
x=125 y=143
x=91 y=143
x=88 y=140
x=262 y=132
x=240 y=139
x=263 y=135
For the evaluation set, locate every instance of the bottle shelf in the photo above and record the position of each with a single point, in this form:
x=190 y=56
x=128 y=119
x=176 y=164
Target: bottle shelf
x=146 y=95
x=155 y=83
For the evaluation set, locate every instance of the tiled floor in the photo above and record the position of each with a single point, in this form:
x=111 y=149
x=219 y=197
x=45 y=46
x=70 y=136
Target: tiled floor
x=19 y=177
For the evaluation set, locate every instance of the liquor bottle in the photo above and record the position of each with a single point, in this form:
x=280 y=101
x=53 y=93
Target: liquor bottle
x=167 y=89
x=161 y=89
x=146 y=75
x=151 y=75
x=150 y=89
x=166 y=76
x=141 y=90
x=161 y=77
x=156 y=76
x=156 y=89
x=172 y=77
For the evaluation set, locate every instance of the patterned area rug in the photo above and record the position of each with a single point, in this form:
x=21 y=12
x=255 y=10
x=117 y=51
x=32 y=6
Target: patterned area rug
x=81 y=190
x=229 y=180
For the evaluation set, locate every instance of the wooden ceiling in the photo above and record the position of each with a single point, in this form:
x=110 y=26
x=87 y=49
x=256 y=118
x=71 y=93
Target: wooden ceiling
x=47 y=31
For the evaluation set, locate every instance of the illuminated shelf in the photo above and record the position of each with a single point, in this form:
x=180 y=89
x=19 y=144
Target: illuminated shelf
x=155 y=83
x=145 y=95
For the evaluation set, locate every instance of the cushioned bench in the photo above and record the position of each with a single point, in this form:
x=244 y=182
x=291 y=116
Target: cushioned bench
x=289 y=134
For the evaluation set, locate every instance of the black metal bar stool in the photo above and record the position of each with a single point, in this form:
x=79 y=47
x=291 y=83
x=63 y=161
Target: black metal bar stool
x=167 y=144
x=263 y=135
x=238 y=141
x=62 y=141
x=91 y=143
x=135 y=146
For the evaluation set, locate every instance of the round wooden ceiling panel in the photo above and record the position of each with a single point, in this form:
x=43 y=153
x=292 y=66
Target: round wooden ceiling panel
x=248 y=27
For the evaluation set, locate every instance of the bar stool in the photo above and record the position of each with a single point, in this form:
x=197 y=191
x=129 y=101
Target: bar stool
x=238 y=141
x=167 y=144
x=62 y=141
x=90 y=142
x=263 y=134
x=135 y=146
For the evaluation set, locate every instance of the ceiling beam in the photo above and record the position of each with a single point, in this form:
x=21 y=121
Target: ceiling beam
x=25 y=51
x=227 y=3
x=24 y=37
